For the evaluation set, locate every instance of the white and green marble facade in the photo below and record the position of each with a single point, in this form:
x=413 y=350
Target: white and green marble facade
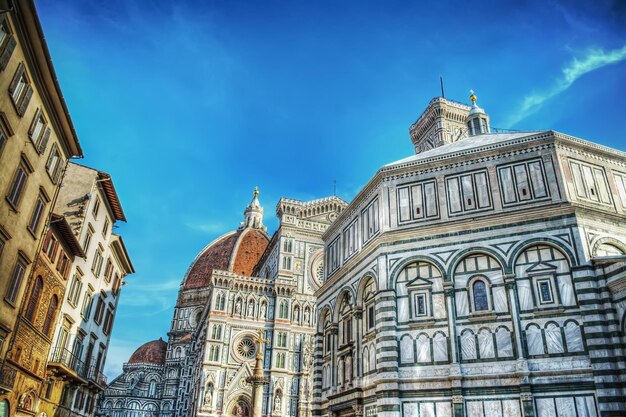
x=509 y=212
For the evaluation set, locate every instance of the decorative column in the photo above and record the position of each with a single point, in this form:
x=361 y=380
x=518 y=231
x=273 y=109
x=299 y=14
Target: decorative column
x=526 y=396
x=357 y=359
x=304 y=403
x=258 y=378
x=456 y=376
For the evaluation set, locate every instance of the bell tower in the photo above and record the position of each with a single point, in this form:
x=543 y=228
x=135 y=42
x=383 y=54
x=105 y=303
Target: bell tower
x=442 y=122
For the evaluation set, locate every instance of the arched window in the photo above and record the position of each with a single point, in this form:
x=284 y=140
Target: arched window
x=283 y=312
x=440 y=348
x=468 y=345
x=606 y=249
x=479 y=293
x=34 y=299
x=345 y=320
x=152 y=389
x=554 y=338
x=50 y=315
x=370 y=306
x=534 y=340
x=423 y=349
x=220 y=303
x=573 y=337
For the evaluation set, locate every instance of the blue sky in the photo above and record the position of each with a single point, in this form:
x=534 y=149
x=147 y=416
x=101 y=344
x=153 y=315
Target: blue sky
x=189 y=105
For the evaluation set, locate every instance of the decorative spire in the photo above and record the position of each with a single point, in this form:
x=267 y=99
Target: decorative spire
x=256 y=191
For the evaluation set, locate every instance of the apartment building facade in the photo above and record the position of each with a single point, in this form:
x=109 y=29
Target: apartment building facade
x=90 y=203
x=37 y=138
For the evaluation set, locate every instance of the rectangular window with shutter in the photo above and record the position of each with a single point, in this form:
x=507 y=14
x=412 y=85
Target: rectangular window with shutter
x=350 y=244
x=37 y=215
x=96 y=266
x=99 y=311
x=5 y=131
x=74 y=293
x=522 y=182
x=468 y=192
x=87 y=303
x=54 y=165
x=16 y=190
x=369 y=221
x=50 y=246
x=454 y=195
x=88 y=237
x=17 y=276
x=620 y=182
x=404 y=204
x=421 y=202
x=20 y=90
x=333 y=252
x=590 y=183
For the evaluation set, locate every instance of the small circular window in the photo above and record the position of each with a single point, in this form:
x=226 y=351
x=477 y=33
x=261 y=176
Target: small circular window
x=245 y=348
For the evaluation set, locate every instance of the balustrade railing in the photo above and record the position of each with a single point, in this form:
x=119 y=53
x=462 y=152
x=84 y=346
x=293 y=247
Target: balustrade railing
x=96 y=376
x=69 y=360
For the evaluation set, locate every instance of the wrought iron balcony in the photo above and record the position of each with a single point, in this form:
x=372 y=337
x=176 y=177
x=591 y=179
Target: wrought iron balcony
x=67 y=364
x=97 y=377
x=7 y=377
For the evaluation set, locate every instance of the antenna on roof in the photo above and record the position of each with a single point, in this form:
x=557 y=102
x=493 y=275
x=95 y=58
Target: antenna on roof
x=335 y=187
x=443 y=95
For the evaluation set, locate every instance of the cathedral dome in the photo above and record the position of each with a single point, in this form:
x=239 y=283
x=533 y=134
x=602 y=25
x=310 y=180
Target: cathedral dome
x=238 y=251
x=151 y=352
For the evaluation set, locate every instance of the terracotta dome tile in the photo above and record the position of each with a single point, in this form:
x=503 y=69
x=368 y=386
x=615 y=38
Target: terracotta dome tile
x=249 y=251
x=151 y=352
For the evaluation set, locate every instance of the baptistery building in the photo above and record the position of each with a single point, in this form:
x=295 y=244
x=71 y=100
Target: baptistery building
x=483 y=276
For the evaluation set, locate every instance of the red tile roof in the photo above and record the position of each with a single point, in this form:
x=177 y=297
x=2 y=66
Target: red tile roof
x=151 y=352
x=242 y=249
x=109 y=190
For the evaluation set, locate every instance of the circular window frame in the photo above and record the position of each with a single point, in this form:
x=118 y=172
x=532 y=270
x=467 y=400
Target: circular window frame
x=248 y=340
x=317 y=260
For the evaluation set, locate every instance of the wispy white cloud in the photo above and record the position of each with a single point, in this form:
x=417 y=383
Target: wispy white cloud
x=593 y=59
x=216 y=227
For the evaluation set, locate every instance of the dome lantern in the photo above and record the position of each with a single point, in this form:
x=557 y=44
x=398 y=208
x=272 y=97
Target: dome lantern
x=253 y=214
x=477 y=120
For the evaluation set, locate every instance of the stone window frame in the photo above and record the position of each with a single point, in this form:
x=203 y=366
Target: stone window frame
x=19 y=182
x=20 y=89
x=17 y=278
x=488 y=293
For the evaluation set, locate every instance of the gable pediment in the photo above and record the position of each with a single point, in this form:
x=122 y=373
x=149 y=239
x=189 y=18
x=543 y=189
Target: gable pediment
x=419 y=282
x=540 y=267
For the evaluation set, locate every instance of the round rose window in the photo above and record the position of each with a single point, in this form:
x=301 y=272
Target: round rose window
x=245 y=348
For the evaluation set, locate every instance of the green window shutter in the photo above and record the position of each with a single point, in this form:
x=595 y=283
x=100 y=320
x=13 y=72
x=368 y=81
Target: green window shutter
x=58 y=171
x=44 y=140
x=16 y=78
x=6 y=54
x=33 y=123
x=24 y=104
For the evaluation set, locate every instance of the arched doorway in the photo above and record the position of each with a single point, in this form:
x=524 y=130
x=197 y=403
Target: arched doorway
x=240 y=408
